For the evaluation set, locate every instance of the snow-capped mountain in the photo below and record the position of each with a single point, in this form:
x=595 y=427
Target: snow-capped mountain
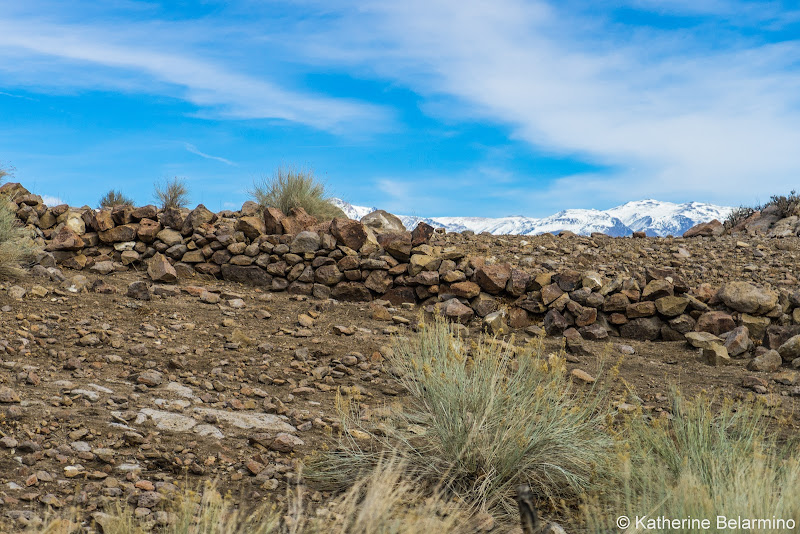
x=654 y=217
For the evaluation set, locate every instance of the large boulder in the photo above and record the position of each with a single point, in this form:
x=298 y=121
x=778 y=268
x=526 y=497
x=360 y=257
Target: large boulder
x=706 y=229
x=382 y=222
x=159 y=269
x=272 y=221
x=66 y=239
x=349 y=233
x=747 y=298
x=196 y=218
x=398 y=245
x=298 y=221
x=493 y=278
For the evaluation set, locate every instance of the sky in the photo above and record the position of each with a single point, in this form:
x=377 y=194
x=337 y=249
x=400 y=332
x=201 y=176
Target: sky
x=421 y=107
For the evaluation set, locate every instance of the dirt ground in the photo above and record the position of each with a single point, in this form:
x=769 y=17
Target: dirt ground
x=104 y=397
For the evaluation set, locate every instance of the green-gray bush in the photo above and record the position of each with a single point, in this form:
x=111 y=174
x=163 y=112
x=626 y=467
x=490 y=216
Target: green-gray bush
x=289 y=188
x=172 y=194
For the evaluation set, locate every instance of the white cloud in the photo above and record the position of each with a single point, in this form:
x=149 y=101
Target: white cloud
x=667 y=110
x=65 y=56
x=51 y=200
x=194 y=150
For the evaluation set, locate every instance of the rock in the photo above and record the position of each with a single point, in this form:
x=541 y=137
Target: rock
x=378 y=281
x=297 y=221
x=251 y=274
x=285 y=442
x=465 y=289
x=66 y=239
x=567 y=280
x=671 y=306
x=454 y=310
x=305 y=242
x=495 y=323
x=150 y=378
x=17 y=292
x=707 y=229
x=648 y=328
x=555 y=323
x=790 y=349
x=382 y=222
x=767 y=362
x=328 y=275
x=119 y=234
x=251 y=227
x=656 y=289
x=715 y=322
x=159 y=269
x=8 y=395
x=273 y=218
x=645 y=308
x=702 y=340
x=421 y=234
x=716 y=355
x=484 y=304
x=351 y=291
x=757 y=326
x=102 y=267
x=493 y=278
x=138 y=290
x=148 y=230
x=747 y=298
x=349 y=233
x=398 y=245
x=738 y=341
x=196 y=218
x=551 y=293
x=169 y=237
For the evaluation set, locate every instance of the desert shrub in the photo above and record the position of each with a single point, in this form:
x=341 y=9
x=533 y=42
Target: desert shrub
x=384 y=501
x=115 y=198
x=172 y=194
x=289 y=188
x=481 y=422
x=738 y=215
x=702 y=464
x=786 y=204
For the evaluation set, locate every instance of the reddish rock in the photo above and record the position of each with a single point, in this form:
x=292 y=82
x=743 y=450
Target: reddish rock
x=421 y=234
x=484 y=304
x=379 y=281
x=465 y=290
x=645 y=308
x=159 y=269
x=252 y=227
x=148 y=229
x=715 y=322
x=66 y=239
x=119 y=234
x=706 y=229
x=555 y=323
x=349 y=233
x=518 y=318
x=493 y=278
x=196 y=218
x=297 y=221
x=102 y=221
x=518 y=282
x=145 y=212
x=568 y=280
x=273 y=218
x=551 y=293
x=454 y=310
x=398 y=295
x=398 y=245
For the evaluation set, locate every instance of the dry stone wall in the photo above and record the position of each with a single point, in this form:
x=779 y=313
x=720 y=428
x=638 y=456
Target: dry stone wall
x=347 y=260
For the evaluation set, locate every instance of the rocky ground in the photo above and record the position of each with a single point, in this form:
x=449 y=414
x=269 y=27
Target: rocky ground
x=115 y=389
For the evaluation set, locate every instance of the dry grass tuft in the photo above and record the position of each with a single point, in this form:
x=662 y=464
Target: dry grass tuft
x=16 y=246
x=289 y=188
x=115 y=198
x=482 y=421
x=172 y=194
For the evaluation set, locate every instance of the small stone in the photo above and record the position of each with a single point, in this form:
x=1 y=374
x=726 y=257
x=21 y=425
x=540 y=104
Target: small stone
x=582 y=375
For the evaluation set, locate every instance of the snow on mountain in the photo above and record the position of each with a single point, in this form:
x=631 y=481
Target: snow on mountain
x=651 y=216
x=352 y=212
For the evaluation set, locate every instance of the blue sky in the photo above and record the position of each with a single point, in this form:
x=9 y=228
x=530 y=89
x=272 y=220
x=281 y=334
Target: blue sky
x=422 y=107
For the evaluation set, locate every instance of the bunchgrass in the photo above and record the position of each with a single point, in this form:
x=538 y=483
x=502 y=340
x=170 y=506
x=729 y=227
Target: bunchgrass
x=171 y=194
x=16 y=247
x=704 y=463
x=115 y=198
x=482 y=420
x=290 y=188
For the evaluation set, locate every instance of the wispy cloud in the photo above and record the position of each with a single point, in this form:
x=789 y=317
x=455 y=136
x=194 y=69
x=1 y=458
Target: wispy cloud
x=51 y=200
x=193 y=149
x=23 y=97
x=64 y=55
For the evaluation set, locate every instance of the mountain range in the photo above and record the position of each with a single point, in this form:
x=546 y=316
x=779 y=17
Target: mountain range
x=654 y=217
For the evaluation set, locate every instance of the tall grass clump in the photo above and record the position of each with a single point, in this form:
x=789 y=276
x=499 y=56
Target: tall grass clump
x=16 y=247
x=481 y=421
x=703 y=464
x=115 y=198
x=172 y=194
x=289 y=188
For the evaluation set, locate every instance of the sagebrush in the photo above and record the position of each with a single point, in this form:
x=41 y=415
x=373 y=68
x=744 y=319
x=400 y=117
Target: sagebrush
x=172 y=194
x=290 y=188
x=16 y=247
x=482 y=420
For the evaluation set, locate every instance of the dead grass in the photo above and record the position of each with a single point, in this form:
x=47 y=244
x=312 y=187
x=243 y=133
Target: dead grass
x=172 y=194
x=290 y=188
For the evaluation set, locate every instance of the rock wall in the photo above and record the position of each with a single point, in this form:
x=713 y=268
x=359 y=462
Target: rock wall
x=347 y=260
